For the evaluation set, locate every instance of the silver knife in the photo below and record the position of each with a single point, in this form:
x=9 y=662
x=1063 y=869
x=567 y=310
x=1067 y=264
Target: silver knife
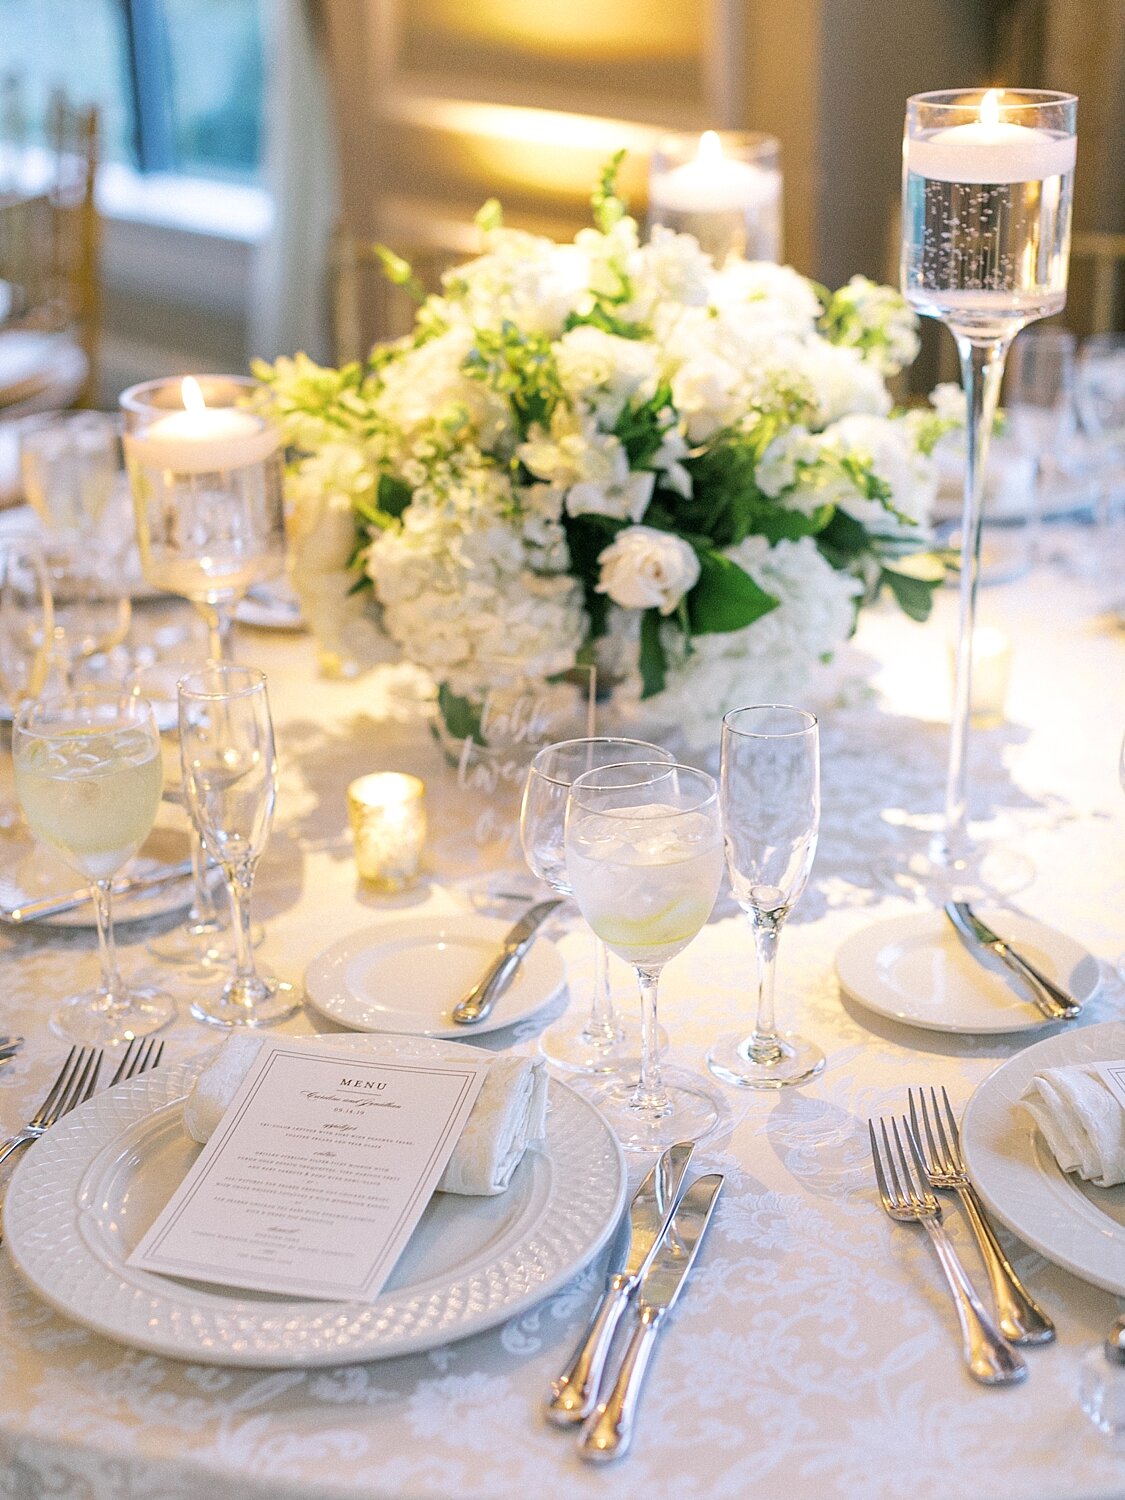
x=574 y=1393
x=609 y=1430
x=53 y=906
x=1052 y=1000
x=498 y=976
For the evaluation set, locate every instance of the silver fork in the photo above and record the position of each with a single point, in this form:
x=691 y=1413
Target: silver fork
x=139 y=1056
x=76 y=1081
x=1021 y=1319
x=989 y=1358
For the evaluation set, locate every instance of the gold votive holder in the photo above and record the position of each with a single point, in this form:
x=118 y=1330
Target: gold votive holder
x=387 y=811
x=992 y=665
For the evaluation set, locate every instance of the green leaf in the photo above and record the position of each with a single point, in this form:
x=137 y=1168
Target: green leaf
x=400 y=272
x=393 y=495
x=844 y=538
x=460 y=716
x=653 y=663
x=725 y=597
x=915 y=596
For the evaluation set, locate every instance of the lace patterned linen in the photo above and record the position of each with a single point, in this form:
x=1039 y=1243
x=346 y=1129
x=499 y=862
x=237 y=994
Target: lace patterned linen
x=816 y=1343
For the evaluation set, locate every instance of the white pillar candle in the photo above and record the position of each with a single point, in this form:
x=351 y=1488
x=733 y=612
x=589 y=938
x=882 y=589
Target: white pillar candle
x=991 y=149
x=202 y=439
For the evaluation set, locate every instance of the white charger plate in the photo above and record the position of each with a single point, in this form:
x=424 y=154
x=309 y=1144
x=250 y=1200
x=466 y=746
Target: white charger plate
x=87 y=1192
x=916 y=969
x=1071 y=1222
x=407 y=976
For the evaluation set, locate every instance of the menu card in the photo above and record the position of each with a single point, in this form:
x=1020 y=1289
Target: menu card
x=317 y=1174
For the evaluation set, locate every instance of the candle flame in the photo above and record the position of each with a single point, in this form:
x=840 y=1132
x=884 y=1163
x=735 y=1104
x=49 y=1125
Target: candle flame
x=710 y=148
x=990 y=107
x=193 y=396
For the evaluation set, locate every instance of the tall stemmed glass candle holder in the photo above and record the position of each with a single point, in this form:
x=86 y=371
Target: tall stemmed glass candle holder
x=206 y=478
x=644 y=855
x=987 y=185
x=230 y=782
x=770 y=795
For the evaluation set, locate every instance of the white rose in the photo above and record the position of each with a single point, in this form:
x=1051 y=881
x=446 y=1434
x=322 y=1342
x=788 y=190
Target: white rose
x=647 y=569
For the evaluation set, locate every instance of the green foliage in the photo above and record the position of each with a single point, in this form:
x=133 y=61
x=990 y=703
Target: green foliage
x=608 y=208
x=460 y=716
x=400 y=272
x=725 y=597
x=521 y=368
x=652 y=663
x=914 y=595
x=489 y=216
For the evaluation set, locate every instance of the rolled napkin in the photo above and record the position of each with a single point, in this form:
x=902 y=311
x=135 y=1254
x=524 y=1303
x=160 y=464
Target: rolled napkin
x=1081 y=1119
x=509 y=1116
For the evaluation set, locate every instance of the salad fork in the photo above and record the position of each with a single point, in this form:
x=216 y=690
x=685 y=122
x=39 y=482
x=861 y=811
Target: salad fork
x=139 y=1056
x=76 y=1081
x=1021 y=1320
x=909 y=1200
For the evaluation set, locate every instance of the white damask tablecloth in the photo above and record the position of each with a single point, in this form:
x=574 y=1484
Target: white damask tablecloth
x=816 y=1352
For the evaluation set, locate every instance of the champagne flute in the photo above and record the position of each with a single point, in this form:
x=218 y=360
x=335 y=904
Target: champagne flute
x=987 y=186
x=603 y=1042
x=230 y=781
x=88 y=776
x=770 y=795
x=644 y=856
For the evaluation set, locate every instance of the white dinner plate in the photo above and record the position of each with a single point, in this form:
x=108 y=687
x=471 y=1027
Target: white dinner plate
x=86 y=1193
x=35 y=873
x=270 y=606
x=407 y=976
x=1071 y=1222
x=917 y=970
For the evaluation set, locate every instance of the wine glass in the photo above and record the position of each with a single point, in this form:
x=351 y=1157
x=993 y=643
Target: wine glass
x=206 y=478
x=26 y=631
x=88 y=777
x=230 y=781
x=770 y=796
x=92 y=610
x=644 y=856
x=987 y=186
x=204 y=938
x=603 y=1042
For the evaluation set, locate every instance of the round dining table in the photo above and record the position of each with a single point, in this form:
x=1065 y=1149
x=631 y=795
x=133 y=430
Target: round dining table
x=815 y=1349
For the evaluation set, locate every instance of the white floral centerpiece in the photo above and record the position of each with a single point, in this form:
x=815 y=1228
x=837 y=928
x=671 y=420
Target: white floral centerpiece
x=616 y=452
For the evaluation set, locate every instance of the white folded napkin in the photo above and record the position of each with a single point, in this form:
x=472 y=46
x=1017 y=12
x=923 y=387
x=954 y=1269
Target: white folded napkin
x=1081 y=1120
x=509 y=1116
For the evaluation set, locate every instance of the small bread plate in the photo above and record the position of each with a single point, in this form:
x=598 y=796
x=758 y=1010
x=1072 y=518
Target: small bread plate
x=37 y=874
x=1078 y=1226
x=80 y=1202
x=270 y=606
x=407 y=976
x=916 y=969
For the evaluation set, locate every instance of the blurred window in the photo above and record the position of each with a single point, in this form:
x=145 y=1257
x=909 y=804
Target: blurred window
x=178 y=82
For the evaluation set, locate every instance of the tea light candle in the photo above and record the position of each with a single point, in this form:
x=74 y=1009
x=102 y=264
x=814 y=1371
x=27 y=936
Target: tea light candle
x=991 y=149
x=203 y=439
x=992 y=665
x=731 y=206
x=387 y=812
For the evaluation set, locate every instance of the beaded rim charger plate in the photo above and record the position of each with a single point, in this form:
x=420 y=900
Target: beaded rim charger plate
x=86 y=1192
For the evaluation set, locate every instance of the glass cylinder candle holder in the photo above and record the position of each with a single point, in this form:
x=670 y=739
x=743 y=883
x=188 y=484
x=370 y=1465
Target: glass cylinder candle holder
x=206 y=478
x=724 y=188
x=387 y=812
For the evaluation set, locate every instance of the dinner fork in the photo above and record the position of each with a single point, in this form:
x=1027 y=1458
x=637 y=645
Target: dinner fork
x=990 y=1360
x=139 y=1056
x=1020 y=1318
x=76 y=1081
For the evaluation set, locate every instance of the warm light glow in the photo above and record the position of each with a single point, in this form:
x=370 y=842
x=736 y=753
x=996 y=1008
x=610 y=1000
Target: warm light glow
x=990 y=108
x=193 y=396
x=710 y=149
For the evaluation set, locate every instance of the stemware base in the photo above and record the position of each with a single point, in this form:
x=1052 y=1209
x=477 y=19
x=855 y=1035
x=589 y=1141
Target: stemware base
x=273 y=1000
x=971 y=874
x=571 y=1047
x=91 y=1019
x=693 y=1112
x=205 y=946
x=736 y=1060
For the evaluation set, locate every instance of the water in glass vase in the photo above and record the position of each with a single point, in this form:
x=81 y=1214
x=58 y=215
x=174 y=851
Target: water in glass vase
x=92 y=797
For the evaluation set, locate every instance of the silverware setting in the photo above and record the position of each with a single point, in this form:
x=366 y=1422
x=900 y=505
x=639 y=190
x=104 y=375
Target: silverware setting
x=908 y=1199
x=1021 y=1320
x=477 y=1004
x=1055 y=1003
x=9 y=1046
x=133 y=885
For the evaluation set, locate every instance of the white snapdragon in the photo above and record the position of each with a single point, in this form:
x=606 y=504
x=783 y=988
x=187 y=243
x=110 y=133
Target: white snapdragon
x=643 y=568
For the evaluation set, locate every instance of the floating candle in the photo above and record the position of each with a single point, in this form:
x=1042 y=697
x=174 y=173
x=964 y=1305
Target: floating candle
x=991 y=148
x=202 y=439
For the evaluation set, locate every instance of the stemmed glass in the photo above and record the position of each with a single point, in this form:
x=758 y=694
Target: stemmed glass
x=644 y=856
x=604 y=1042
x=88 y=776
x=1100 y=397
x=770 y=795
x=988 y=180
x=92 y=611
x=206 y=478
x=1039 y=403
x=26 y=632
x=230 y=781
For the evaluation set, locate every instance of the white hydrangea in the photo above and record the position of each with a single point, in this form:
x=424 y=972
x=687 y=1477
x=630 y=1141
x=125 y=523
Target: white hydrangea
x=888 y=450
x=602 y=372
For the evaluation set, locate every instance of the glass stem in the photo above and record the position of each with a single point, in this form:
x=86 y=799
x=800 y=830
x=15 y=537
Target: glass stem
x=218 y=620
x=240 y=879
x=112 y=985
x=601 y=1028
x=204 y=912
x=650 y=1096
x=982 y=369
x=763 y=1045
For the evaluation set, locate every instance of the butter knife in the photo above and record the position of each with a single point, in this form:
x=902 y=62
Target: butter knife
x=609 y=1430
x=498 y=976
x=53 y=906
x=575 y=1392
x=1052 y=1000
